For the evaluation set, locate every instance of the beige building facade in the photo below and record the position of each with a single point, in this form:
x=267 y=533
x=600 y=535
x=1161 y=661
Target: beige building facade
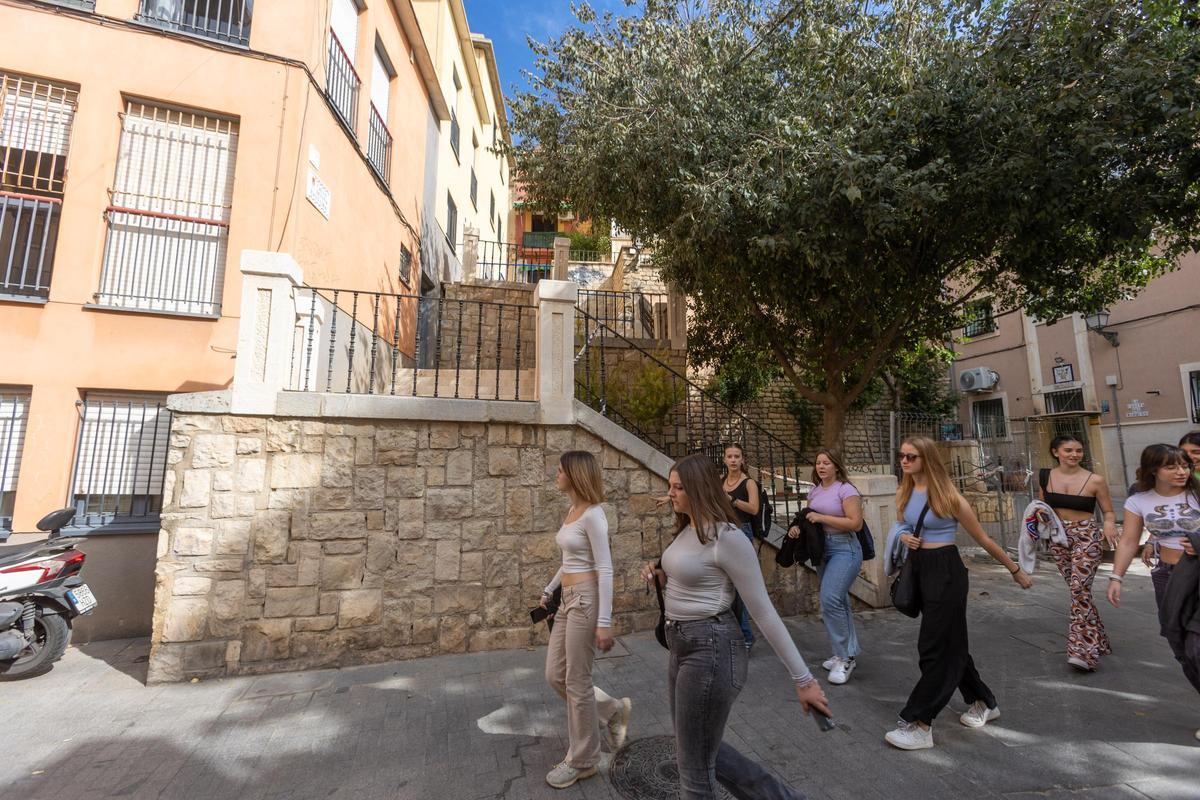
x=1127 y=380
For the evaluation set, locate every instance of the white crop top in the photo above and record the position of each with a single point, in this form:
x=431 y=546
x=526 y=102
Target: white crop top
x=701 y=579
x=584 y=545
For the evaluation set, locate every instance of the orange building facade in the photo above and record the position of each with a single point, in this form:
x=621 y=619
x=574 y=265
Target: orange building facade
x=145 y=145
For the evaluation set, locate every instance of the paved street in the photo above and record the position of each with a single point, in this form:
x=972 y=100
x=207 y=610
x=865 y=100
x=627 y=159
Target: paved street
x=485 y=725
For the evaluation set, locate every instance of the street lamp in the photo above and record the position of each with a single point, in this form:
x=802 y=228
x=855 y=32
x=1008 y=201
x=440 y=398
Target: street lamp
x=1098 y=322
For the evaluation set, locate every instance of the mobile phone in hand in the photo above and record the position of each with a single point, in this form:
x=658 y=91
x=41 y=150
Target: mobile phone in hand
x=823 y=722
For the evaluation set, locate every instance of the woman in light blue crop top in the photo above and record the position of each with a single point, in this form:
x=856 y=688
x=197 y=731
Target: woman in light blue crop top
x=932 y=509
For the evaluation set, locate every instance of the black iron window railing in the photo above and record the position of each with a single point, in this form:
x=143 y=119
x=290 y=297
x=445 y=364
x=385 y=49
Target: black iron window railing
x=168 y=224
x=14 y=416
x=36 y=118
x=120 y=461
x=508 y=261
x=222 y=20
x=379 y=145
x=28 y=236
x=979 y=319
x=408 y=345
x=634 y=315
x=342 y=82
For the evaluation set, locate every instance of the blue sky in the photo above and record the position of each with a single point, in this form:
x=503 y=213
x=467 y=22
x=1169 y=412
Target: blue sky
x=509 y=22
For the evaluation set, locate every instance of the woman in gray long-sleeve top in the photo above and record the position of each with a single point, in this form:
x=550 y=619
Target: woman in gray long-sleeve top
x=707 y=561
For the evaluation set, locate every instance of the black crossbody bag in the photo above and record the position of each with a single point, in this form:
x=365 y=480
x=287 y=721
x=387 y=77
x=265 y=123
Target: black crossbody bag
x=906 y=595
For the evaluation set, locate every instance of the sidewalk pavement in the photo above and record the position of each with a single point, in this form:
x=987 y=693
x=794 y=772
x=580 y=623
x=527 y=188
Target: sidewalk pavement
x=485 y=725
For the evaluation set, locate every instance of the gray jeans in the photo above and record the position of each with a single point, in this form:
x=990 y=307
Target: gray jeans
x=708 y=669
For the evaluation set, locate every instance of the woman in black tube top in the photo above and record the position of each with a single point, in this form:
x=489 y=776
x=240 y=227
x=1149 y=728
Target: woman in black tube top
x=1074 y=492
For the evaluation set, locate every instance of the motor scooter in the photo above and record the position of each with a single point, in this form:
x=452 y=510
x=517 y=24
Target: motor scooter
x=41 y=593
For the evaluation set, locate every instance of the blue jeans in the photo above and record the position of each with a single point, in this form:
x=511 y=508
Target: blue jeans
x=843 y=559
x=708 y=668
x=742 y=615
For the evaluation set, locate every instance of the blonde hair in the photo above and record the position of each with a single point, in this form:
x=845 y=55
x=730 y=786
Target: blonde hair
x=709 y=504
x=944 y=499
x=583 y=473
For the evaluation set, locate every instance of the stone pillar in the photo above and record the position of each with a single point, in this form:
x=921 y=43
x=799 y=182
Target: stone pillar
x=562 y=254
x=266 y=331
x=879 y=512
x=555 y=302
x=470 y=256
x=677 y=318
x=306 y=338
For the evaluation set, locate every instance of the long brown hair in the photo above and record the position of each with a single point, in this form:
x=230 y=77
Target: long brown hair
x=709 y=504
x=839 y=469
x=1157 y=456
x=944 y=499
x=583 y=473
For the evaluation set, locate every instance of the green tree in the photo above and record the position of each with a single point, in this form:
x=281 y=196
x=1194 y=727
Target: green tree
x=832 y=181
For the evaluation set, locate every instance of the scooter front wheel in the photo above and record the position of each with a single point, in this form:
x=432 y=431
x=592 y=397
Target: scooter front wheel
x=52 y=634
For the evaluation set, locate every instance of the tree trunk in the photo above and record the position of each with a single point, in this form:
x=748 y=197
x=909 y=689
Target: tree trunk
x=833 y=426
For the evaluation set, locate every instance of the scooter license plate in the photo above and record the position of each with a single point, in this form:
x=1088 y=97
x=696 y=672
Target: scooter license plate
x=82 y=599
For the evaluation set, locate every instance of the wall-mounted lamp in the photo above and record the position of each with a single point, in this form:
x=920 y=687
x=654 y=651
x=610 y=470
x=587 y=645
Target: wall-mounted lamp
x=1098 y=322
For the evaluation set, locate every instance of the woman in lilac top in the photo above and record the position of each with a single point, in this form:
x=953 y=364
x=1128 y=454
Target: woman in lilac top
x=836 y=506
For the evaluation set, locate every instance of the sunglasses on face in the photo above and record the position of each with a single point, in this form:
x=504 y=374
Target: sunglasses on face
x=906 y=457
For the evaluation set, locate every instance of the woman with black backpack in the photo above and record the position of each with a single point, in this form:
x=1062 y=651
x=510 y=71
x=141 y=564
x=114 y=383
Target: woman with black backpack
x=743 y=495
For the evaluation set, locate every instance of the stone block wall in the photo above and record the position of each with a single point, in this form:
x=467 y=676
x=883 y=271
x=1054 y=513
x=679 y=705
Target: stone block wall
x=483 y=331
x=297 y=543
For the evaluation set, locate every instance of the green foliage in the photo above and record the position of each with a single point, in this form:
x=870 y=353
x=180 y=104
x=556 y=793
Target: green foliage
x=808 y=418
x=598 y=241
x=646 y=394
x=742 y=378
x=832 y=181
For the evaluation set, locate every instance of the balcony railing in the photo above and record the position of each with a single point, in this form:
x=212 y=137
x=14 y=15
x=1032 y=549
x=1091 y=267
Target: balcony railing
x=222 y=20
x=28 y=234
x=379 y=145
x=508 y=261
x=163 y=263
x=539 y=239
x=342 y=82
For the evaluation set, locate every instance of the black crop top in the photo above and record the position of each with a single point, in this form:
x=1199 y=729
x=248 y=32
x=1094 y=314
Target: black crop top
x=741 y=492
x=1070 y=502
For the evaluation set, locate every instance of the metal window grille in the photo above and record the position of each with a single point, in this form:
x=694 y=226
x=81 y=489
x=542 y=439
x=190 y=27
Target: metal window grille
x=979 y=319
x=405 y=265
x=379 y=145
x=223 y=20
x=451 y=220
x=342 y=82
x=120 y=461
x=83 y=5
x=474 y=190
x=455 y=132
x=988 y=420
x=14 y=416
x=28 y=236
x=1194 y=385
x=1064 y=400
x=493 y=217
x=35 y=132
x=168 y=225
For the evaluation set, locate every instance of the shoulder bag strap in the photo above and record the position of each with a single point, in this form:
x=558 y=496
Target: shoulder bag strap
x=921 y=521
x=662 y=609
x=1044 y=479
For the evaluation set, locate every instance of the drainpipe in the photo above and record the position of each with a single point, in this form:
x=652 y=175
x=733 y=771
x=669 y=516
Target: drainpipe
x=1111 y=380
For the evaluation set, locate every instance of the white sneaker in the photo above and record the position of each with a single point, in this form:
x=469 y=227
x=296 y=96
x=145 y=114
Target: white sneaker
x=617 y=728
x=841 y=671
x=979 y=715
x=910 y=736
x=1080 y=664
x=829 y=662
x=565 y=775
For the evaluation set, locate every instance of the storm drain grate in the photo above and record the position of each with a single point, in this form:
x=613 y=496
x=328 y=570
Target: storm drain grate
x=645 y=770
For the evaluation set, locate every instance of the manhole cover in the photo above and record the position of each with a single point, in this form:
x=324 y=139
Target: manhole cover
x=645 y=770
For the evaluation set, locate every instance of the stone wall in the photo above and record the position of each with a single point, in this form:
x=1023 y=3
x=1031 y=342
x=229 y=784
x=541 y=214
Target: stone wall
x=298 y=543
x=484 y=330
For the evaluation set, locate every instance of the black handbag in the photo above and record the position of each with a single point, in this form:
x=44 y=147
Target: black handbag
x=866 y=541
x=906 y=595
x=660 y=630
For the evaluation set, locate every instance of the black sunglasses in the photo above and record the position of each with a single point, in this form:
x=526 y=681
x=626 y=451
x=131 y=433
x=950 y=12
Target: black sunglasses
x=909 y=456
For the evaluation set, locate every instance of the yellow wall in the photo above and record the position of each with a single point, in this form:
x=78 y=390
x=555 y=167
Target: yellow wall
x=62 y=349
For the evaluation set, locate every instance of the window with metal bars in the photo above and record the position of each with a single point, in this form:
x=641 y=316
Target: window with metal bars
x=342 y=82
x=14 y=416
x=988 y=420
x=979 y=319
x=36 y=117
x=120 y=461
x=451 y=221
x=474 y=190
x=223 y=20
x=168 y=223
x=1063 y=400
x=1194 y=395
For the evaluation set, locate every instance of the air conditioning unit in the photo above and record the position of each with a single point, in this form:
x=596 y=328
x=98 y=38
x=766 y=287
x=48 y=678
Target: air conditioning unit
x=977 y=379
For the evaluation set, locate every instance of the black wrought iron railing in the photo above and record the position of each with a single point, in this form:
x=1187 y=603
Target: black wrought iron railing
x=223 y=20
x=508 y=261
x=28 y=235
x=342 y=82
x=120 y=461
x=406 y=345
x=379 y=145
x=539 y=239
x=590 y=256
x=635 y=315
x=649 y=394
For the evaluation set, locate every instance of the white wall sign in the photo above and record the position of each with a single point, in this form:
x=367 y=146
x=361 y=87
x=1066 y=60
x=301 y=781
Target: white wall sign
x=1136 y=408
x=318 y=194
x=314 y=156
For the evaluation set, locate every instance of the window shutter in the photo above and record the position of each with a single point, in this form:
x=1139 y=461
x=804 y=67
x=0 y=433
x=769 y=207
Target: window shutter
x=122 y=445
x=14 y=417
x=35 y=132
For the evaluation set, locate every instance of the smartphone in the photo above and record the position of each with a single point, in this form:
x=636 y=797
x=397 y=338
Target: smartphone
x=538 y=614
x=823 y=722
